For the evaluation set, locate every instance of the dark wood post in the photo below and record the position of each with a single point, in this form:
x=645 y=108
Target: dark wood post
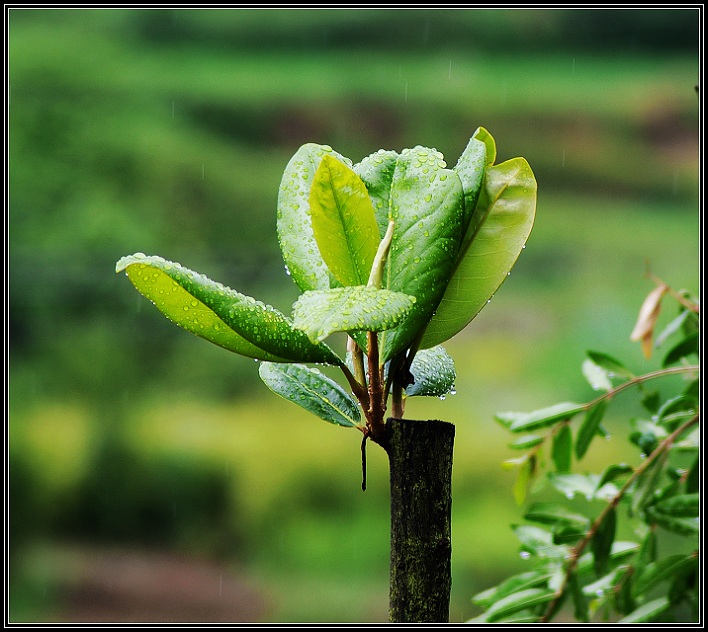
x=420 y=456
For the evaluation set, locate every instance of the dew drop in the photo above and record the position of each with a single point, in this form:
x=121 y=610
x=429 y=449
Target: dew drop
x=524 y=555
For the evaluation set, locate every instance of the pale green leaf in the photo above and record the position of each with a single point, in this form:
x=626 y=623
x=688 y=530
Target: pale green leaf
x=597 y=376
x=221 y=315
x=312 y=390
x=343 y=222
x=647 y=612
x=295 y=233
x=553 y=513
x=662 y=570
x=611 y=365
x=360 y=308
x=501 y=225
x=433 y=373
x=519 y=422
x=514 y=603
x=516 y=583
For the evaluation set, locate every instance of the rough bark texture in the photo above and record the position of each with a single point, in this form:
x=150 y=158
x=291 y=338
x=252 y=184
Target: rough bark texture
x=420 y=455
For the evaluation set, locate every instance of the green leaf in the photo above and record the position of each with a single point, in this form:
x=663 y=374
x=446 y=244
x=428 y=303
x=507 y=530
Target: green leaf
x=561 y=452
x=553 y=513
x=511 y=604
x=343 y=222
x=527 y=470
x=544 y=417
x=361 y=308
x=295 y=232
x=588 y=429
x=675 y=524
x=309 y=388
x=571 y=484
x=681 y=505
x=527 y=441
x=471 y=167
x=538 y=541
x=661 y=570
x=377 y=172
x=221 y=315
x=516 y=583
x=647 y=612
x=602 y=541
x=580 y=604
x=613 y=366
x=645 y=485
x=425 y=202
x=597 y=376
x=614 y=471
x=670 y=329
x=498 y=232
x=688 y=346
x=433 y=373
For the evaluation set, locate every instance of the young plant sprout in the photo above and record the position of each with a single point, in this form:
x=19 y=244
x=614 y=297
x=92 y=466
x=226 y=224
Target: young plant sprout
x=398 y=251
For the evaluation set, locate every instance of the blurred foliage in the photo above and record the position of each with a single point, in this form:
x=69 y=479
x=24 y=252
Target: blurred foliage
x=159 y=130
x=630 y=552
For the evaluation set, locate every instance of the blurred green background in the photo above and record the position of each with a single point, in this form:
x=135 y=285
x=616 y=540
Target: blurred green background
x=152 y=475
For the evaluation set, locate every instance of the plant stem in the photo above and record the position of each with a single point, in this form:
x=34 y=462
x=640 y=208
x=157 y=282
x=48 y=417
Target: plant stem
x=420 y=457
x=377 y=402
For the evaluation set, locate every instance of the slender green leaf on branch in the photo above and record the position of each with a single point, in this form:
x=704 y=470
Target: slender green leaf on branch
x=514 y=584
x=611 y=365
x=221 y=315
x=490 y=248
x=645 y=485
x=542 y=418
x=433 y=373
x=612 y=472
x=572 y=484
x=553 y=513
x=315 y=392
x=295 y=233
x=647 y=612
x=598 y=377
x=674 y=326
x=562 y=449
x=602 y=541
x=662 y=570
x=675 y=523
x=425 y=202
x=588 y=428
x=688 y=346
x=538 y=541
x=360 y=308
x=682 y=505
x=343 y=222
x=527 y=441
x=580 y=604
x=511 y=604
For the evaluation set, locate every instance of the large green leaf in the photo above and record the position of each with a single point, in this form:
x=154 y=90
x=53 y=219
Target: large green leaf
x=343 y=222
x=425 y=201
x=295 y=233
x=500 y=227
x=221 y=315
x=315 y=392
x=360 y=308
x=376 y=171
x=433 y=373
x=471 y=167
